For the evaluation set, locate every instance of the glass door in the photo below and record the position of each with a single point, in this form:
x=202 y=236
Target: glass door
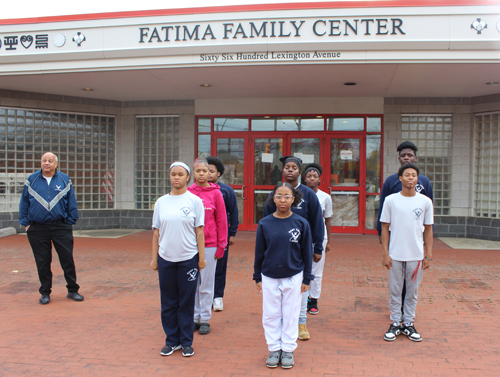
x=266 y=173
x=232 y=153
x=346 y=172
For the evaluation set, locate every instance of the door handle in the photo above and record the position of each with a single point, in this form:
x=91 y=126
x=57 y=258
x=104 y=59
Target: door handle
x=329 y=188
x=243 y=192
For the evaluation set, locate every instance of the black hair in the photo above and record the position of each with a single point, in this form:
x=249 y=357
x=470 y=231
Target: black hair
x=407 y=145
x=314 y=166
x=408 y=165
x=217 y=163
x=296 y=192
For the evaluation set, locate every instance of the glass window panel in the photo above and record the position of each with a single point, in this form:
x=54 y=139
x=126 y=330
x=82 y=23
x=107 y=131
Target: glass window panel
x=345 y=206
x=307 y=149
x=260 y=197
x=30 y=145
x=204 y=124
x=203 y=146
x=232 y=154
x=267 y=170
x=373 y=156
x=345 y=124
x=372 y=207
x=230 y=124
x=433 y=152
x=374 y=124
x=152 y=162
x=344 y=162
x=288 y=123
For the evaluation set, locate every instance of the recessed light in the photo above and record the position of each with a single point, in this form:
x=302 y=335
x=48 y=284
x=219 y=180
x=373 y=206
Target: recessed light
x=350 y=83
x=492 y=83
x=319 y=116
x=87 y=89
x=206 y=85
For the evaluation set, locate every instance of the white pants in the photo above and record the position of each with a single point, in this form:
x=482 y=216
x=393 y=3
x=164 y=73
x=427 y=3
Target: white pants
x=205 y=291
x=317 y=271
x=280 y=311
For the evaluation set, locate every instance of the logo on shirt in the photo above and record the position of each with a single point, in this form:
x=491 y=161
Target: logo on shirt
x=418 y=213
x=299 y=206
x=185 y=211
x=192 y=274
x=419 y=188
x=58 y=188
x=295 y=233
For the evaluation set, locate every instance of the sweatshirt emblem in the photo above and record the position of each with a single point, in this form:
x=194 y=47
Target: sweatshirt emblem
x=58 y=188
x=419 y=188
x=299 y=206
x=295 y=233
x=192 y=274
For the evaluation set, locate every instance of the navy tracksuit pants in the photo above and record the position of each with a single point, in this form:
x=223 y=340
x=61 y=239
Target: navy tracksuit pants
x=220 y=274
x=178 y=282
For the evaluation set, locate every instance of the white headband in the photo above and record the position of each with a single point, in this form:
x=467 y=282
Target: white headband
x=182 y=164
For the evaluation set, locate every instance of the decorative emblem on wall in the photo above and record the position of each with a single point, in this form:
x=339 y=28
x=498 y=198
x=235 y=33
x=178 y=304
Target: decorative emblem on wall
x=479 y=25
x=79 y=38
x=59 y=40
x=26 y=41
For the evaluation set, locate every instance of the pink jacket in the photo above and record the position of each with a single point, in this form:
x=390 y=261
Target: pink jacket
x=215 y=229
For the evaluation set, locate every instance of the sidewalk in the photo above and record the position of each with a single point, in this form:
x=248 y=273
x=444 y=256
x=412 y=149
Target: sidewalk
x=116 y=331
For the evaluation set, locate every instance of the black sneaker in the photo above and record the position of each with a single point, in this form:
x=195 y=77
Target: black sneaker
x=187 y=351
x=313 y=306
x=411 y=332
x=308 y=303
x=168 y=350
x=204 y=328
x=393 y=332
x=196 y=326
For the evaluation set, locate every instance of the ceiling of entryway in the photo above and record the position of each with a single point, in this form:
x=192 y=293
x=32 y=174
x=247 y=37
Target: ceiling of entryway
x=321 y=80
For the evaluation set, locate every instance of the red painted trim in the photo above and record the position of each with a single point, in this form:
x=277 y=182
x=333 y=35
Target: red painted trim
x=247 y=8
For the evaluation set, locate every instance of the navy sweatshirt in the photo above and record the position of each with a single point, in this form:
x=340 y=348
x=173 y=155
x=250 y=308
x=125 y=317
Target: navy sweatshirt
x=392 y=185
x=283 y=248
x=231 y=208
x=310 y=209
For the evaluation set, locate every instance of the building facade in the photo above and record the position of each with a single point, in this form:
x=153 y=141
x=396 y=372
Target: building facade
x=120 y=96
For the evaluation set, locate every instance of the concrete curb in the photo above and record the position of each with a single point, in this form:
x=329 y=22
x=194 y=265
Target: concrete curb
x=7 y=232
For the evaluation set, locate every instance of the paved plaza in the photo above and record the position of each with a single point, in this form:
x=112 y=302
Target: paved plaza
x=116 y=331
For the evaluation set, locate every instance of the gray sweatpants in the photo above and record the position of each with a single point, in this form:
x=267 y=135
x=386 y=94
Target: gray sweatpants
x=413 y=273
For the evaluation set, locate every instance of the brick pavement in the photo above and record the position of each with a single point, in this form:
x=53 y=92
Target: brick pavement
x=116 y=331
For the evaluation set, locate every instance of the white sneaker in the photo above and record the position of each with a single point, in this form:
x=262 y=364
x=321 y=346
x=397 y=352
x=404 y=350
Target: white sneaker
x=218 y=305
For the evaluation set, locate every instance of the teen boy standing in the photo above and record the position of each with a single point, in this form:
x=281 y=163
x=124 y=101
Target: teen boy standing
x=408 y=216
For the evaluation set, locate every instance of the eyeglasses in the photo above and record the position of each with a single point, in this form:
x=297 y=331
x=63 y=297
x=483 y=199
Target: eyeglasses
x=287 y=197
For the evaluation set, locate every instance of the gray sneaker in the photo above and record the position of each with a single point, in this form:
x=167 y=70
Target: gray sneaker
x=287 y=360
x=274 y=359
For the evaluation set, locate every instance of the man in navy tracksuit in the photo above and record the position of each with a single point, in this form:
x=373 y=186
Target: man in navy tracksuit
x=216 y=169
x=48 y=210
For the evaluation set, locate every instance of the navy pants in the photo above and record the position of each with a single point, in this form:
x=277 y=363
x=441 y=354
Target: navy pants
x=178 y=282
x=41 y=238
x=220 y=274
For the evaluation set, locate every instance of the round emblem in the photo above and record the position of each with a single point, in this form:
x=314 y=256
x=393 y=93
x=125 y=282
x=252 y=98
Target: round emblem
x=59 y=40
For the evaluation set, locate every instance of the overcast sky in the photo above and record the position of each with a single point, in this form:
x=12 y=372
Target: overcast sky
x=40 y=8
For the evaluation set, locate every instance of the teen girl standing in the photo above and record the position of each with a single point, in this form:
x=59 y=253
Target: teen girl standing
x=178 y=255
x=215 y=242
x=282 y=270
x=310 y=209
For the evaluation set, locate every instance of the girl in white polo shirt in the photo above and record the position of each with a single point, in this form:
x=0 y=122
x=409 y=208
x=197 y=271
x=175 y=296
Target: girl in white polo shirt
x=178 y=255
